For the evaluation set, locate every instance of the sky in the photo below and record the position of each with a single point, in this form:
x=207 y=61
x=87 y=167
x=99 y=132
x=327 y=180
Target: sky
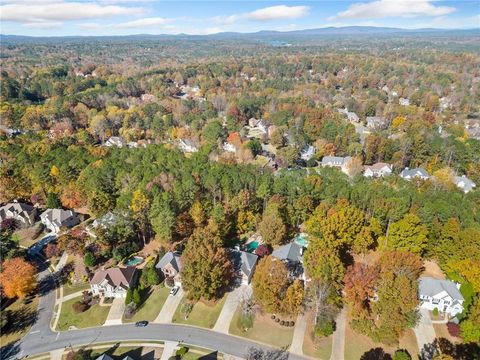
x=125 y=17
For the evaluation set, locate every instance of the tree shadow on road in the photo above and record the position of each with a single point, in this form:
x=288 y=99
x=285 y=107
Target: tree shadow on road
x=54 y=280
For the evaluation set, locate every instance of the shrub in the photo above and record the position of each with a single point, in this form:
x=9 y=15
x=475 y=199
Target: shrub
x=435 y=312
x=401 y=355
x=130 y=310
x=136 y=298
x=89 y=259
x=79 y=307
x=277 y=320
x=453 y=329
x=324 y=328
x=282 y=322
x=246 y=321
x=182 y=351
x=273 y=317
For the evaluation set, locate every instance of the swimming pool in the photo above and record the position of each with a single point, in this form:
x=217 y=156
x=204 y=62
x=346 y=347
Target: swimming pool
x=301 y=239
x=134 y=261
x=251 y=246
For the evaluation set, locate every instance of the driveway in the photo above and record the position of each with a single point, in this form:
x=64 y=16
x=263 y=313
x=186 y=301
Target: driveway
x=231 y=303
x=298 y=335
x=338 y=342
x=168 y=310
x=116 y=312
x=38 y=246
x=424 y=331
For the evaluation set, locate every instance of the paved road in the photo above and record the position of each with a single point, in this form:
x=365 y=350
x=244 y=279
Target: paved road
x=424 y=331
x=231 y=303
x=338 y=342
x=169 y=307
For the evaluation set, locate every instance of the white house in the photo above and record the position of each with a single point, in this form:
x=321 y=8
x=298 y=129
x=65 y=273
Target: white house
x=307 y=152
x=404 y=101
x=337 y=161
x=257 y=128
x=112 y=282
x=464 y=183
x=115 y=141
x=54 y=219
x=417 y=173
x=376 y=122
x=228 y=147
x=187 y=146
x=351 y=116
x=441 y=294
x=23 y=214
x=379 y=169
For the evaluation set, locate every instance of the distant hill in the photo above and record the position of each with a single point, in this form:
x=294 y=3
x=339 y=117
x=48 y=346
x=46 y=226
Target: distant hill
x=350 y=31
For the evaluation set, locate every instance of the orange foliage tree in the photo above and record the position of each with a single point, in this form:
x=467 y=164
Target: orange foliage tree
x=17 y=278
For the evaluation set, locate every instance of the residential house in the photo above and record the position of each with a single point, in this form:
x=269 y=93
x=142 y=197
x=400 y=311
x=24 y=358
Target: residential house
x=307 y=152
x=443 y=295
x=113 y=282
x=351 y=116
x=24 y=214
x=379 y=169
x=244 y=263
x=171 y=266
x=105 y=221
x=54 y=219
x=115 y=141
x=228 y=147
x=187 y=146
x=377 y=123
x=291 y=255
x=417 y=173
x=337 y=161
x=464 y=183
x=257 y=128
x=403 y=101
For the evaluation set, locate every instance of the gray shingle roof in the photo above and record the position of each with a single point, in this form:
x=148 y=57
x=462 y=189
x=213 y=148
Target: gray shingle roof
x=412 y=173
x=464 y=183
x=244 y=261
x=104 y=357
x=335 y=160
x=170 y=258
x=290 y=252
x=430 y=287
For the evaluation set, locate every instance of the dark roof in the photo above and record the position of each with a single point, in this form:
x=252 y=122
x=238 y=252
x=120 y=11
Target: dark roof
x=244 y=261
x=170 y=258
x=115 y=276
x=290 y=252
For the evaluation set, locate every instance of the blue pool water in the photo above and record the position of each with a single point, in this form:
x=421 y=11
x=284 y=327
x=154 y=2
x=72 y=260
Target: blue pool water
x=251 y=246
x=301 y=239
x=134 y=261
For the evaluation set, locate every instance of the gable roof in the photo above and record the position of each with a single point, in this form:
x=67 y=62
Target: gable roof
x=244 y=261
x=378 y=166
x=335 y=160
x=104 y=357
x=57 y=216
x=114 y=276
x=290 y=252
x=430 y=287
x=20 y=209
x=464 y=183
x=411 y=173
x=170 y=258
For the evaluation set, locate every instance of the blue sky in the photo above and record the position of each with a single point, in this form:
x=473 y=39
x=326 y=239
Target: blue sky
x=122 y=17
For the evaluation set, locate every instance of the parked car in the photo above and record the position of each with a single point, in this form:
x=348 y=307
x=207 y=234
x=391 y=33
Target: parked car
x=142 y=323
x=174 y=290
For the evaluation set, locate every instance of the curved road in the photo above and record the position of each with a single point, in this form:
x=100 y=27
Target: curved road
x=42 y=339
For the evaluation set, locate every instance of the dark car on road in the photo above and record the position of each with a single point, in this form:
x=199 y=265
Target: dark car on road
x=141 y=323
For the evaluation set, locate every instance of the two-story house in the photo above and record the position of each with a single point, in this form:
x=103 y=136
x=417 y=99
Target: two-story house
x=337 y=161
x=292 y=255
x=244 y=263
x=54 y=219
x=443 y=295
x=377 y=170
x=22 y=213
x=171 y=266
x=417 y=173
x=113 y=282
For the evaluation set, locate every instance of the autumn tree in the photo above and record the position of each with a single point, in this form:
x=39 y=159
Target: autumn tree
x=408 y=234
x=18 y=277
x=272 y=227
x=207 y=269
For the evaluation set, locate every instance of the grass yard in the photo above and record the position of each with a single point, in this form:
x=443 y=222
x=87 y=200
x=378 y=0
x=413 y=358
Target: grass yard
x=94 y=316
x=203 y=315
x=21 y=318
x=29 y=236
x=316 y=348
x=73 y=288
x=263 y=330
x=357 y=344
x=152 y=305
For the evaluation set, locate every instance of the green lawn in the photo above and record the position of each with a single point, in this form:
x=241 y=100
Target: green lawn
x=21 y=318
x=70 y=289
x=263 y=330
x=316 y=348
x=152 y=305
x=202 y=315
x=94 y=316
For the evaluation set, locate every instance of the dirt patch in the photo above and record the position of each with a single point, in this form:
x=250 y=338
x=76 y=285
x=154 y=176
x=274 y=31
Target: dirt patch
x=442 y=332
x=432 y=270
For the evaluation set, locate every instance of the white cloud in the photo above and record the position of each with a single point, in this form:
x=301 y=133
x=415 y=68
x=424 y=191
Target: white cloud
x=392 y=8
x=56 y=11
x=143 y=23
x=43 y=25
x=278 y=12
